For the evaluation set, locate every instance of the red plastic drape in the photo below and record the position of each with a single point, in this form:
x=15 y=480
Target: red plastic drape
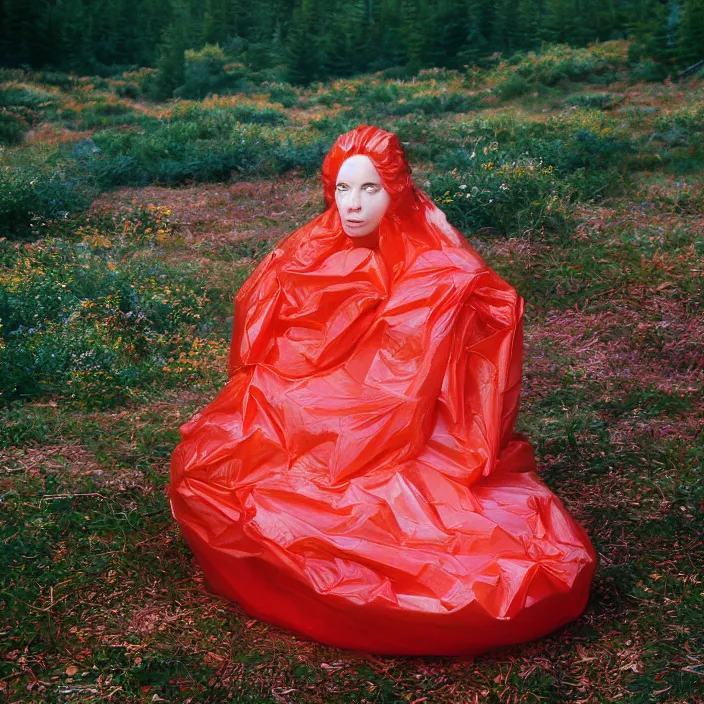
x=358 y=480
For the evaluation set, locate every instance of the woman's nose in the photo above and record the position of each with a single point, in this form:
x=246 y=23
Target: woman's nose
x=355 y=201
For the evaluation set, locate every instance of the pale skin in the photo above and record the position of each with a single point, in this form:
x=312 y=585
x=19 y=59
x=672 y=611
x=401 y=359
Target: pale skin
x=360 y=196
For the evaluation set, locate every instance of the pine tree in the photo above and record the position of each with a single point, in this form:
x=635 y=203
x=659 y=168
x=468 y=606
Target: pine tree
x=562 y=21
x=479 y=27
x=451 y=32
x=391 y=49
x=171 y=62
x=304 y=58
x=652 y=37
x=528 y=13
x=691 y=33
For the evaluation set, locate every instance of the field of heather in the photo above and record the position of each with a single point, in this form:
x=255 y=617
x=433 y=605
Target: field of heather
x=126 y=228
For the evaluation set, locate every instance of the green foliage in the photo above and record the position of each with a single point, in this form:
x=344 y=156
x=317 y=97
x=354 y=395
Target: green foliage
x=210 y=71
x=598 y=101
x=511 y=199
x=280 y=92
x=83 y=320
x=691 y=33
x=20 y=109
x=205 y=142
x=314 y=40
x=14 y=122
x=17 y=94
x=556 y=64
x=513 y=176
x=45 y=187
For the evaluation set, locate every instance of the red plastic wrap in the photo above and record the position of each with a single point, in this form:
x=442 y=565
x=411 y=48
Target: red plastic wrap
x=358 y=480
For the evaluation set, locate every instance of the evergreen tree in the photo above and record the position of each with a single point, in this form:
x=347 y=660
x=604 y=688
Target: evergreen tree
x=528 y=15
x=391 y=49
x=691 y=33
x=171 y=61
x=652 y=39
x=562 y=22
x=304 y=58
x=479 y=29
x=313 y=39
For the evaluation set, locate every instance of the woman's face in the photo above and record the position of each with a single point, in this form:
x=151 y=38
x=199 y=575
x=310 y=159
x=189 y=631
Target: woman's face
x=361 y=199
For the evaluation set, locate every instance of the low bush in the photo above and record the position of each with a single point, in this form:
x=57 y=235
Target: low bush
x=173 y=153
x=433 y=104
x=211 y=71
x=14 y=122
x=554 y=64
x=202 y=145
x=83 y=320
x=688 y=120
x=514 y=176
x=587 y=149
x=99 y=113
x=218 y=115
x=280 y=92
x=44 y=188
x=595 y=101
x=136 y=84
x=16 y=94
x=511 y=198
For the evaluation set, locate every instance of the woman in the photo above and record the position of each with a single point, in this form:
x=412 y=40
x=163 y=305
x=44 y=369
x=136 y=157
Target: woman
x=358 y=480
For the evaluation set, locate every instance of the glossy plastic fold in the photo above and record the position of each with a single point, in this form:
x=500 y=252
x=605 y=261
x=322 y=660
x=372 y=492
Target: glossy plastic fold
x=358 y=480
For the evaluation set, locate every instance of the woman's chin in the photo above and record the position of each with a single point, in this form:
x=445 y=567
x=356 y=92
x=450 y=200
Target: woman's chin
x=359 y=233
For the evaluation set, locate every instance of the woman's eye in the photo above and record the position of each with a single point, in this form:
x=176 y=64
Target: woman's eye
x=341 y=187
x=372 y=189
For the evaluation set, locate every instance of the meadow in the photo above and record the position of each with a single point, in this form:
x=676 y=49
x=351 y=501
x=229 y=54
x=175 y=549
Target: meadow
x=126 y=228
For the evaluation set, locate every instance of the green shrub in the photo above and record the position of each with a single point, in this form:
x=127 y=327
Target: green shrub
x=210 y=71
x=38 y=191
x=136 y=84
x=11 y=74
x=509 y=198
x=513 y=87
x=586 y=149
x=29 y=97
x=434 y=104
x=173 y=153
x=557 y=63
x=294 y=152
x=14 y=122
x=201 y=143
x=65 y=81
x=82 y=321
x=21 y=427
x=335 y=125
x=689 y=120
x=218 y=116
x=595 y=101
x=280 y=92
x=100 y=112
x=20 y=109
x=649 y=71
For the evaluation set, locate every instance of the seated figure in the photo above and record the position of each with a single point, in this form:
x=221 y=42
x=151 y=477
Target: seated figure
x=358 y=480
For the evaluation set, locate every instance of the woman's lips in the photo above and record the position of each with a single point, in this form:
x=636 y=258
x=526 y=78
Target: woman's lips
x=354 y=223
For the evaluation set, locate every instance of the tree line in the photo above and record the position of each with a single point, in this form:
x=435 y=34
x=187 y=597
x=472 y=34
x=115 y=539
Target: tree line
x=306 y=40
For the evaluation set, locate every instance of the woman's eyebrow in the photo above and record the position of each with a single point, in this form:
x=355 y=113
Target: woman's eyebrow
x=364 y=185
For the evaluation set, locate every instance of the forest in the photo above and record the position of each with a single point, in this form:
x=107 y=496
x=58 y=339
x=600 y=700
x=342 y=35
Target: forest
x=307 y=40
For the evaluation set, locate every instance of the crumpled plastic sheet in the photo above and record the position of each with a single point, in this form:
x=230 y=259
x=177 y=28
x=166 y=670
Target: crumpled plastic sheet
x=358 y=480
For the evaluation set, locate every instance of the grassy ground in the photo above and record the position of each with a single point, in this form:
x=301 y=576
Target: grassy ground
x=99 y=596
